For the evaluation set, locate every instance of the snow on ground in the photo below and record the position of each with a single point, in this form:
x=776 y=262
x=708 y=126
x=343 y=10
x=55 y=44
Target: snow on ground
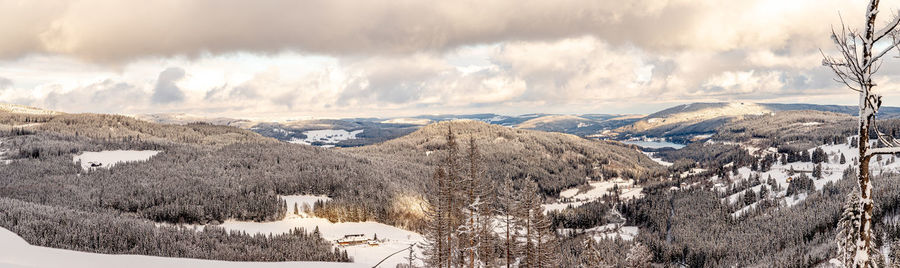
x=693 y=171
x=3 y=155
x=795 y=199
x=394 y=239
x=657 y=160
x=108 y=159
x=16 y=253
x=410 y=121
x=743 y=210
x=654 y=143
x=832 y=171
x=327 y=136
x=20 y=109
x=302 y=201
x=608 y=231
x=572 y=196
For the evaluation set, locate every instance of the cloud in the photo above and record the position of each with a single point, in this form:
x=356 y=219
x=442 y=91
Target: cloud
x=571 y=75
x=166 y=91
x=118 y=31
x=5 y=83
x=107 y=96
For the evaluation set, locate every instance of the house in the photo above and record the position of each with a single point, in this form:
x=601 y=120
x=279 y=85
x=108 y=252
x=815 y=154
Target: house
x=353 y=239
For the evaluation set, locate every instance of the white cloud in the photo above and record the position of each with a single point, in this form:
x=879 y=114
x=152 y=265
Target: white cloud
x=351 y=58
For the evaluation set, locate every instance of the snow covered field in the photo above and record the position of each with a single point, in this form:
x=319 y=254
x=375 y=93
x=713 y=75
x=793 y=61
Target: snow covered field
x=394 y=239
x=832 y=170
x=108 y=159
x=598 y=190
x=16 y=253
x=302 y=201
x=328 y=136
x=653 y=157
x=655 y=144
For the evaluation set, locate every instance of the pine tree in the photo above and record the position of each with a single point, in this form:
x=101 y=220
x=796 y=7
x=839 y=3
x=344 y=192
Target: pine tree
x=435 y=247
x=453 y=197
x=639 y=256
x=445 y=210
x=749 y=196
x=817 y=171
x=508 y=210
x=296 y=209
x=476 y=226
x=591 y=256
x=540 y=240
x=847 y=230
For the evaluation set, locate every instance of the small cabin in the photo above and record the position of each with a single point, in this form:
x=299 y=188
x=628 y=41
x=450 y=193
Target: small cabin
x=353 y=239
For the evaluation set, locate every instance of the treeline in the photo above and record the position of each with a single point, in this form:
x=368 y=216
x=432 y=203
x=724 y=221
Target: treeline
x=126 y=129
x=585 y=216
x=713 y=156
x=802 y=129
x=113 y=233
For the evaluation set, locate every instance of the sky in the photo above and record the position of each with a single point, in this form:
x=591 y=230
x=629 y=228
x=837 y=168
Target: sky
x=284 y=59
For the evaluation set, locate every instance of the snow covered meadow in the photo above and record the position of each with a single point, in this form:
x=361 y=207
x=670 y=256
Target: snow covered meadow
x=392 y=239
x=832 y=171
x=108 y=159
x=16 y=253
x=327 y=136
x=596 y=190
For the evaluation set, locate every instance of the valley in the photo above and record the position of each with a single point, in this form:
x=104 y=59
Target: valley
x=211 y=181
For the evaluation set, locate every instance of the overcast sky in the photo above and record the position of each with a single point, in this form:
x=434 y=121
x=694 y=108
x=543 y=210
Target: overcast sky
x=351 y=58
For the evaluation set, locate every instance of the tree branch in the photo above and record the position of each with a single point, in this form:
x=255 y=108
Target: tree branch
x=884 y=150
x=890 y=27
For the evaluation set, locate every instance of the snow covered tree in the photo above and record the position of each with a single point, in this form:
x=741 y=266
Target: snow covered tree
x=819 y=156
x=436 y=233
x=591 y=257
x=749 y=196
x=639 y=256
x=858 y=62
x=476 y=227
x=847 y=230
x=296 y=209
x=460 y=225
x=540 y=249
x=508 y=210
x=817 y=171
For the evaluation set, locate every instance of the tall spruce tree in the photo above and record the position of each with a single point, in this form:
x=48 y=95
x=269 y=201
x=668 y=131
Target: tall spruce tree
x=508 y=210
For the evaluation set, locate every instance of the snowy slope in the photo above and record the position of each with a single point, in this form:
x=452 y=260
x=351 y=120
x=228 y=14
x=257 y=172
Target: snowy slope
x=832 y=171
x=111 y=158
x=21 y=109
x=16 y=253
x=598 y=189
x=328 y=136
x=393 y=239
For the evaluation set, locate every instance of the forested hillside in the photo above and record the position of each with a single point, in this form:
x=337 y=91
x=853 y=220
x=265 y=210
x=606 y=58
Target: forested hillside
x=207 y=174
x=555 y=161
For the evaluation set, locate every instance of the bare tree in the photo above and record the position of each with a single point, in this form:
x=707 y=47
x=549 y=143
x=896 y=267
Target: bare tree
x=854 y=68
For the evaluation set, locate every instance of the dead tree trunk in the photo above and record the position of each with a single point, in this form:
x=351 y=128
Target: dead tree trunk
x=855 y=67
